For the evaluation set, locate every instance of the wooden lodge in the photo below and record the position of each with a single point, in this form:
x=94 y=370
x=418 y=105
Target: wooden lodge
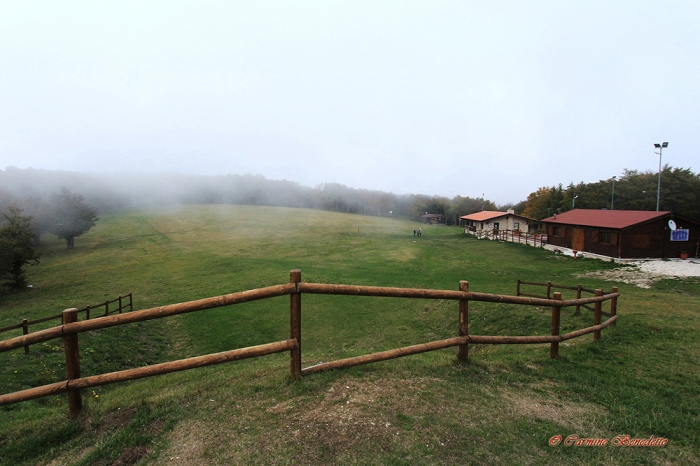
x=495 y=220
x=432 y=219
x=624 y=233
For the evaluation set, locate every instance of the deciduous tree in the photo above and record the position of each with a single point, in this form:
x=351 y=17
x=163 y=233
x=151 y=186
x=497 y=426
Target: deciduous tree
x=16 y=248
x=71 y=216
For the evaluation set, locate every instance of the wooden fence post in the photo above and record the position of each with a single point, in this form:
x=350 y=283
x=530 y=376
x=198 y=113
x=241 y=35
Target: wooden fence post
x=556 y=315
x=131 y=302
x=87 y=313
x=295 y=324
x=106 y=308
x=120 y=304
x=578 y=296
x=613 y=305
x=25 y=330
x=518 y=289
x=596 y=314
x=70 y=346
x=549 y=289
x=463 y=354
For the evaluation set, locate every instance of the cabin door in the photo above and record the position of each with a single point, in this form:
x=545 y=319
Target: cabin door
x=578 y=239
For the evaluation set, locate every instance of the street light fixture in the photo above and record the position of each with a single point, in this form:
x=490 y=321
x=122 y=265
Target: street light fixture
x=658 y=187
x=612 y=200
x=573 y=201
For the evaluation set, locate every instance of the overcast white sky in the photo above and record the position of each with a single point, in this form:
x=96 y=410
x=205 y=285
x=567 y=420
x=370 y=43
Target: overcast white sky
x=448 y=98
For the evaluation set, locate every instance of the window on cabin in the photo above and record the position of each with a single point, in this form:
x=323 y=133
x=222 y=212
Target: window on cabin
x=516 y=226
x=604 y=237
x=559 y=231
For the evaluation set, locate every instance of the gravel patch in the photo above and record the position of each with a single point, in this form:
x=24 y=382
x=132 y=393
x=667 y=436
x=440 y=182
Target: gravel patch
x=645 y=273
x=672 y=268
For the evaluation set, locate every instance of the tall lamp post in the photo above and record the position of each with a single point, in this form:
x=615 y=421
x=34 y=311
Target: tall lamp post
x=573 y=201
x=658 y=187
x=612 y=200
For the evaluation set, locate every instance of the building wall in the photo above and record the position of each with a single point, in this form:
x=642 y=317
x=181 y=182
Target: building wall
x=651 y=240
x=507 y=222
x=654 y=240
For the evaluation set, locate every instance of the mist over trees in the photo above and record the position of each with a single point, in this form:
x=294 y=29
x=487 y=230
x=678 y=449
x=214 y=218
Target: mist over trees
x=112 y=192
x=30 y=189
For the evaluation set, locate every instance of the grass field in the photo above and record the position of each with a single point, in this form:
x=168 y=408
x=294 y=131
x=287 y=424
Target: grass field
x=641 y=379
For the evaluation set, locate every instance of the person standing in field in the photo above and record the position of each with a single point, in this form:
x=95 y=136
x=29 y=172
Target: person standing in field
x=420 y=232
x=414 y=232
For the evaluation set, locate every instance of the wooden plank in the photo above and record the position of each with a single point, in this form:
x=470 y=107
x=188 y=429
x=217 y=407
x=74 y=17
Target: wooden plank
x=533 y=295
x=556 y=315
x=11 y=327
x=587 y=330
x=384 y=355
x=596 y=315
x=148 y=314
x=148 y=371
x=72 y=352
x=357 y=290
x=46 y=319
x=295 y=324
x=463 y=353
x=25 y=331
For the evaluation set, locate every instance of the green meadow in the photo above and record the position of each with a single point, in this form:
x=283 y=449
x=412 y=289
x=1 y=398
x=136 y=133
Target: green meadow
x=641 y=379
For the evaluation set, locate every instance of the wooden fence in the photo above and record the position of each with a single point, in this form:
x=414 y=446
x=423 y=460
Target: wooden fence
x=513 y=236
x=123 y=304
x=71 y=328
x=550 y=286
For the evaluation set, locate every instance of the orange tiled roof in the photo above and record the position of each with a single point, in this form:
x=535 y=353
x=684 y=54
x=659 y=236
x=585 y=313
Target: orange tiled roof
x=485 y=215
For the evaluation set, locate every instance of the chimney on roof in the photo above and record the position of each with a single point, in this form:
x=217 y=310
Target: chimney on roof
x=555 y=215
x=510 y=211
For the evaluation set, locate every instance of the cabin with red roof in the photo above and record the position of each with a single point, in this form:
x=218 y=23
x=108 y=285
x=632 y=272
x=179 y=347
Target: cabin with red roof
x=624 y=233
x=491 y=220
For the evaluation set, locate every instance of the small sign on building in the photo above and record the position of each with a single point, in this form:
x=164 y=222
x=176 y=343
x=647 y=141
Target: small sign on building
x=680 y=235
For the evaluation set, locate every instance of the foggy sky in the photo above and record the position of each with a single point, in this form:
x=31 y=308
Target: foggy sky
x=447 y=98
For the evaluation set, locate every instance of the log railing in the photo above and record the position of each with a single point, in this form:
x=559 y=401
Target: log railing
x=124 y=302
x=71 y=328
x=512 y=236
x=551 y=286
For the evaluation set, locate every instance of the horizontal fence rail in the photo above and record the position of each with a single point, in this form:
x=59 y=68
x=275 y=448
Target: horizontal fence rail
x=550 y=286
x=148 y=371
x=123 y=304
x=71 y=328
x=512 y=236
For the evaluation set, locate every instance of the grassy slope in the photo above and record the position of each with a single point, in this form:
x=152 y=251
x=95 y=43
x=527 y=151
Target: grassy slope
x=641 y=379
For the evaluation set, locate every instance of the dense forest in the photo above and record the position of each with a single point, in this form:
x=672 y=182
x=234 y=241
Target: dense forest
x=634 y=190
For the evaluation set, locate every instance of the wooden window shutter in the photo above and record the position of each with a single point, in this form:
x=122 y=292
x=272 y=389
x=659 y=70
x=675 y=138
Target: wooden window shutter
x=550 y=230
x=613 y=238
x=596 y=236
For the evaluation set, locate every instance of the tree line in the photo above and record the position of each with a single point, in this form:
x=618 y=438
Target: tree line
x=634 y=190
x=115 y=192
